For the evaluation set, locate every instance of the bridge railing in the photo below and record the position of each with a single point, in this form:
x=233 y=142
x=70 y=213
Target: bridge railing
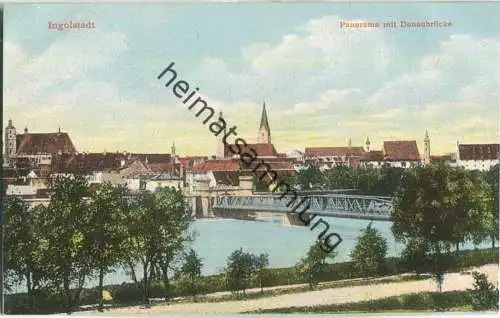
x=327 y=205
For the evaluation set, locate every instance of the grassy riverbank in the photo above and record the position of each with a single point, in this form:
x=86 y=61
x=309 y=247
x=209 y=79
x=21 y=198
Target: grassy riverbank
x=408 y=303
x=337 y=275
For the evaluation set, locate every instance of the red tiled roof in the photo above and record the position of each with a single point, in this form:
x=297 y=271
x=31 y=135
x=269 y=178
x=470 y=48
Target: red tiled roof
x=85 y=163
x=401 y=150
x=152 y=157
x=189 y=162
x=442 y=157
x=479 y=152
x=262 y=150
x=39 y=143
x=161 y=167
x=273 y=165
x=333 y=151
x=216 y=165
x=373 y=155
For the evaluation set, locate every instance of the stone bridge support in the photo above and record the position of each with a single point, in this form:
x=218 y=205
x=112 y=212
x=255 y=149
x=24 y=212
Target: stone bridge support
x=292 y=219
x=202 y=199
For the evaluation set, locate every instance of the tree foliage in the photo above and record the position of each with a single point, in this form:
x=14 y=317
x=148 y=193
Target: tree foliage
x=310 y=178
x=314 y=264
x=493 y=178
x=368 y=181
x=261 y=262
x=239 y=270
x=157 y=230
x=484 y=296
x=441 y=206
x=370 y=251
x=190 y=273
x=24 y=249
x=106 y=229
x=64 y=223
x=82 y=232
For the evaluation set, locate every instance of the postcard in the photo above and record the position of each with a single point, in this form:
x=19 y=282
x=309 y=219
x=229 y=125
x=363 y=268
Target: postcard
x=250 y=158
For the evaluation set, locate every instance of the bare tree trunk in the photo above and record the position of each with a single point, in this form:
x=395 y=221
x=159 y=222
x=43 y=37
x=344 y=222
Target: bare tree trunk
x=67 y=293
x=145 y=284
x=30 y=291
x=166 y=280
x=101 y=288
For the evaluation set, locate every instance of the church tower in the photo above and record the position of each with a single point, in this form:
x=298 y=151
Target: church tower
x=10 y=141
x=264 y=136
x=172 y=152
x=427 y=149
x=367 y=144
x=220 y=143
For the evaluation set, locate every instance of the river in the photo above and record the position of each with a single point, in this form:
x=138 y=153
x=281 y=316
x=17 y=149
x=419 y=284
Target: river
x=285 y=245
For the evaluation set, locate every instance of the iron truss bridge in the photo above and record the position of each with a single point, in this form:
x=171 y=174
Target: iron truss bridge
x=332 y=205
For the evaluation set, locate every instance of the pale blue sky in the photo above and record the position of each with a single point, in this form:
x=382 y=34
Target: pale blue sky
x=323 y=84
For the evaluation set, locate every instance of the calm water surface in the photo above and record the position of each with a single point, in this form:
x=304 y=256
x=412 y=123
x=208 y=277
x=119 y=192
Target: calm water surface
x=285 y=244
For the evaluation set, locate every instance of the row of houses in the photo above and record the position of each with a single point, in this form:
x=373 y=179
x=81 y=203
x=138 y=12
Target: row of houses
x=32 y=159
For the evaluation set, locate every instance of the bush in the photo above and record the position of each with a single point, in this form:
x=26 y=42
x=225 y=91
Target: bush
x=126 y=293
x=484 y=296
x=369 y=253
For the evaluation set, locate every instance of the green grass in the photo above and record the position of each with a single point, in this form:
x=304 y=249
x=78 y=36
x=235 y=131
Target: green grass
x=455 y=301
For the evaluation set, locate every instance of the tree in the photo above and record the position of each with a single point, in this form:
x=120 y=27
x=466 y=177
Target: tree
x=314 y=264
x=191 y=273
x=368 y=181
x=107 y=232
x=440 y=206
x=240 y=266
x=157 y=230
x=64 y=223
x=369 y=253
x=484 y=296
x=493 y=178
x=310 y=178
x=24 y=247
x=261 y=261
x=415 y=256
x=341 y=177
x=390 y=180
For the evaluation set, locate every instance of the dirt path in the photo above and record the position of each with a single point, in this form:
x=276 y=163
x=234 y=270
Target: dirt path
x=453 y=281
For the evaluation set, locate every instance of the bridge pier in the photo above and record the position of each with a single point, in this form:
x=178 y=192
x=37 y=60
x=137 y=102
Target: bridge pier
x=202 y=199
x=292 y=219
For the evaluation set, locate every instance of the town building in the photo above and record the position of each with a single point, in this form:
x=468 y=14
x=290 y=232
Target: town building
x=397 y=154
x=329 y=157
x=37 y=148
x=478 y=156
x=262 y=149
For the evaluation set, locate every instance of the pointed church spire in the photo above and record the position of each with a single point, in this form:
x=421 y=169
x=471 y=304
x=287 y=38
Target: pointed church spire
x=264 y=123
x=173 y=148
x=349 y=143
x=264 y=135
x=426 y=138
